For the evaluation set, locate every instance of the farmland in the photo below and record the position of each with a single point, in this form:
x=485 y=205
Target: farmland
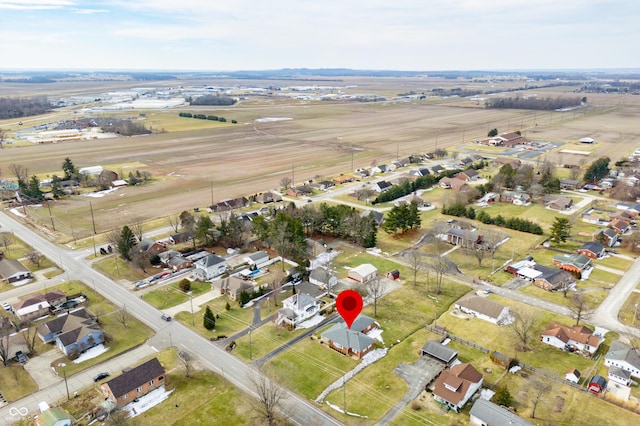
x=197 y=162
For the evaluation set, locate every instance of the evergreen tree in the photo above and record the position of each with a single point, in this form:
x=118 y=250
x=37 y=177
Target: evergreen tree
x=33 y=188
x=70 y=171
x=560 y=229
x=209 y=319
x=126 y=242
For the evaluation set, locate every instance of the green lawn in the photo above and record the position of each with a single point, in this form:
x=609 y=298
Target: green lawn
x=15 y=382
x=170 y=295
x=352 y=258
x=228 y=322
x=565 y=405
x=118 y=269
x=501 y=339
x=263 y=340
x=110 y=316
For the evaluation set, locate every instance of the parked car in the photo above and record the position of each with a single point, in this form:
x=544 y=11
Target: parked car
x=7 y=307
x=69 y=304
x=141 y=284
x=101 y=376
x=165 y=317
x=21 y=357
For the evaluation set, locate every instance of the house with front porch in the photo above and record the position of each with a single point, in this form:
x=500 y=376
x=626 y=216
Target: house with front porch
x=297 y=309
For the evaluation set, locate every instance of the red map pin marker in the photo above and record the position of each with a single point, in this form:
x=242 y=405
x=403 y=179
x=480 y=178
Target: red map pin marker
x=349 y=305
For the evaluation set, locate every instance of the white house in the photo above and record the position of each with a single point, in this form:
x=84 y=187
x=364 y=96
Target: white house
x=574 y=338
x=619 y=375
x=624 y=357
x=296 y=309
x=381 y=186
x=363 y=273
x=572 y=376
x=257 y=259
x=484 y=309
x=209 y=267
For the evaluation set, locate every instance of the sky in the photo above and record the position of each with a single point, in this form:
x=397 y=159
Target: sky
x=417 y=35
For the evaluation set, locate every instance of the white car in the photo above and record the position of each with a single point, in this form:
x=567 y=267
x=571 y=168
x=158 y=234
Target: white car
x=7 y=307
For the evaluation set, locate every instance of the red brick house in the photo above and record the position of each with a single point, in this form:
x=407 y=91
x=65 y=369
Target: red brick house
x=134 y=383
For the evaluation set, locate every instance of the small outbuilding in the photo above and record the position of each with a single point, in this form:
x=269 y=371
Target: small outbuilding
x=363 y=273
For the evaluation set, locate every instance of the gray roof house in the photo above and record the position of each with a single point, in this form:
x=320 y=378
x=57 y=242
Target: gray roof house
x=439 y=351
x=348 y=342
x=625 y=357
x=73 y=333
x=484 y=309
x=209 y=267
x=320 y=277
x=486 y=412
x=12 y=271
x=257 y=259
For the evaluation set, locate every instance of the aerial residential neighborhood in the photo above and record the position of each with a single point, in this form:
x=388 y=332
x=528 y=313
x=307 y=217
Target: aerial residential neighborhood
x=319 y=245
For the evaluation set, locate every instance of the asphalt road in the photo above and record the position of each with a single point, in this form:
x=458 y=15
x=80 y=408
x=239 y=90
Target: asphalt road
x=241 y=375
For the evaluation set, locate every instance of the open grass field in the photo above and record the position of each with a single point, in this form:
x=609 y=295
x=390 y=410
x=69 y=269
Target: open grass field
x=193 y=157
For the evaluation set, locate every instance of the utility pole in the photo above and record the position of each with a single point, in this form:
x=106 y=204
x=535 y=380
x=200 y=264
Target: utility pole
x=293 y=176
x=352 y=169
x=93 y=221
x=51 y=217
x=212 y=194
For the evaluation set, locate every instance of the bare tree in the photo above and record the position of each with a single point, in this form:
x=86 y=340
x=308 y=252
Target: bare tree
x=415 y=261
x=123 y=317
x=187 y=362
x=579 y=307
x=19 y=171
x=137 y=227
x=29 y=334
x=6 y=239
x=522 y=327
x=174 y=223
x=375 y=291
x=540 y=388
x=270 y=395
x=285 y=182
x=276 y=284
x=4 y=349
x=2 y=137
x=566 y=284
x=35 y=257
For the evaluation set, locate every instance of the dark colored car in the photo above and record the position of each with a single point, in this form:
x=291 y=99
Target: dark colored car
x=101 y=376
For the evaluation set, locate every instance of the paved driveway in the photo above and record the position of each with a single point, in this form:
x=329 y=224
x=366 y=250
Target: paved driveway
x=39 y=367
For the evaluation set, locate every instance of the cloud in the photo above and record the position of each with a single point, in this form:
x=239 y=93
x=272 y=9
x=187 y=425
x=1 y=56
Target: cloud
x=34 y=4
x=88 y=11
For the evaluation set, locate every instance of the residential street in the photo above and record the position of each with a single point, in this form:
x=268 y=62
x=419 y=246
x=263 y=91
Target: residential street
x=298 y=410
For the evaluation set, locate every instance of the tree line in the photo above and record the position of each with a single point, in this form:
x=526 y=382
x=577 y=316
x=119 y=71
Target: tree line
x=205 y=117
x=212 y=100
x=515 y=223
x=23 y=107
x=545 y=104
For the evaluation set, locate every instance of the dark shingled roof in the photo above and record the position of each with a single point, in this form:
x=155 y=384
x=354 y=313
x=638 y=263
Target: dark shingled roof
x=135 y=377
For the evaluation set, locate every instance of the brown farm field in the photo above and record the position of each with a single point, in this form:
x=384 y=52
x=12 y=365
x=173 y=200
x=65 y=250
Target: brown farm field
x=193 y=164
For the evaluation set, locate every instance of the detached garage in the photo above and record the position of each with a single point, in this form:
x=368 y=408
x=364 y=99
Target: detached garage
x=363 y=273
